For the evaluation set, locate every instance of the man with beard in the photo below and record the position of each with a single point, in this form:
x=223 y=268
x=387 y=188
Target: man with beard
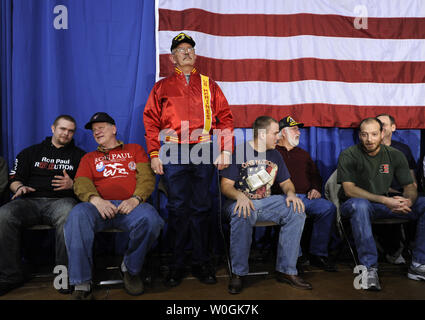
x=308 y=186
x=41 y=181
x=366 y=171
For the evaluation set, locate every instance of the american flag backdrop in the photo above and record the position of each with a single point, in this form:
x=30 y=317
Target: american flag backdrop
x=327 y=63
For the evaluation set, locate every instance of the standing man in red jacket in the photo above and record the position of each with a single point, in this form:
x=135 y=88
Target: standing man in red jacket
x=185 y=109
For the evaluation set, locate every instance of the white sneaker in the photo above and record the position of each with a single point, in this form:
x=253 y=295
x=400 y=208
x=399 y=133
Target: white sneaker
x=396 y=259
x=372 y=282
x=416 y=273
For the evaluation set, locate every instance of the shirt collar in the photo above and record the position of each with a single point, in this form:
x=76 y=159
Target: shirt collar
x=103 y=150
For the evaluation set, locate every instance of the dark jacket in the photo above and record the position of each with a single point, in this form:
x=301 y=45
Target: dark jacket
x=37 y=165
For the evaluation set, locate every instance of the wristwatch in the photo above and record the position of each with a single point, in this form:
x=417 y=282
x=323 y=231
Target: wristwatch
x=138 y=198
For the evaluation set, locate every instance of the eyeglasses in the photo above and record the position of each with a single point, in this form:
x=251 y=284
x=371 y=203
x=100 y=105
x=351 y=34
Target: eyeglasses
x=184 y=50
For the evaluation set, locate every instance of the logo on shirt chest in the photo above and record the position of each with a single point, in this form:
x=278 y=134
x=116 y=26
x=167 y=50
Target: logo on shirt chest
x=114 y=165
x=114 y=169
x=384 y=168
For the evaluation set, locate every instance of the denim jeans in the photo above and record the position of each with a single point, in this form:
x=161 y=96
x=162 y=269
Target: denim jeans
x=189 y=209
x=361 y=212
x=143 y=224
x=274 y=209
x=22 y=213
x=323 y=213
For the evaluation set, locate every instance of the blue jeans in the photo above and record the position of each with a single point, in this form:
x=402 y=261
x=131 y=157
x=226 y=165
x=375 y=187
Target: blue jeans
x=323 y=213
x=274 y=209
x=23 y=213
x=361 y=212
x=143 y=224
x=189 y=209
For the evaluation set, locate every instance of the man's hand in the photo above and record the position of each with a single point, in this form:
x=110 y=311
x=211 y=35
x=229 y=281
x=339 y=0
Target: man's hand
x=296 y=202
x=398 y=204
x=128 y=205
x=62 y=182
x=244 y=205
x=106 y=208
x=22 y=190
x=156 y=165
x=222 y=161
x=313 y=194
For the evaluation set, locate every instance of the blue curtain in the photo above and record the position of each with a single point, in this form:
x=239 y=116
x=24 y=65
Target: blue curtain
x=98 y=55
x=6 y=77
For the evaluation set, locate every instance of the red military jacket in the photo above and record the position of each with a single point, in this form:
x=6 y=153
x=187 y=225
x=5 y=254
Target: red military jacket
x=189 y=111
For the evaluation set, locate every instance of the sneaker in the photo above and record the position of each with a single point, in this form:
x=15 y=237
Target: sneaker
x=396 y=259
x=235 y=284
x=416 y=273
x=205 y=273
x=82 y=295
x=133 y=284
x=372 y=280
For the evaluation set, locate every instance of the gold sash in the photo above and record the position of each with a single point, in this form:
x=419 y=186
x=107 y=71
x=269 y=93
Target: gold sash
x=206 y=100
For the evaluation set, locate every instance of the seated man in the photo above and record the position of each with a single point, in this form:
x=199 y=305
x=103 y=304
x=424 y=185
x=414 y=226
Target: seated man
x=391 y=234
x=308 y=185
x=41 y=181
x=114 y=183
x=366 y=171
x=247 y=183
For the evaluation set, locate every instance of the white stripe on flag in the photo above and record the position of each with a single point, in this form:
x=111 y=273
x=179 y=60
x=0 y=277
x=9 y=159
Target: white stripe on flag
x=314 y=91
x=286 y=48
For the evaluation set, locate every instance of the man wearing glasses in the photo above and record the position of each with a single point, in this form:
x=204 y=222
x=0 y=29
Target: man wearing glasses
x=185 y=109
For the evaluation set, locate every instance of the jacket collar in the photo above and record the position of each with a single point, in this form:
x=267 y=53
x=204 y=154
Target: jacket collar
x=103 y=150
x=180 y=73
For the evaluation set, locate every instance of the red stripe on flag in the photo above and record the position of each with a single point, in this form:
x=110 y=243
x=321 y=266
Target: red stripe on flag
x=289 y=25
x=329 y=115
x=305 y=69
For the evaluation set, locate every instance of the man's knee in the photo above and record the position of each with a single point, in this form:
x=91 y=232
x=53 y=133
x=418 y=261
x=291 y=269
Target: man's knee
x=5 y=213
x=419 y=206
x=148 y=217
x=356 y=207
x=9 y=213
x=239 y=220
x=81 y=212
x=298 y=217
x=322 y=208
